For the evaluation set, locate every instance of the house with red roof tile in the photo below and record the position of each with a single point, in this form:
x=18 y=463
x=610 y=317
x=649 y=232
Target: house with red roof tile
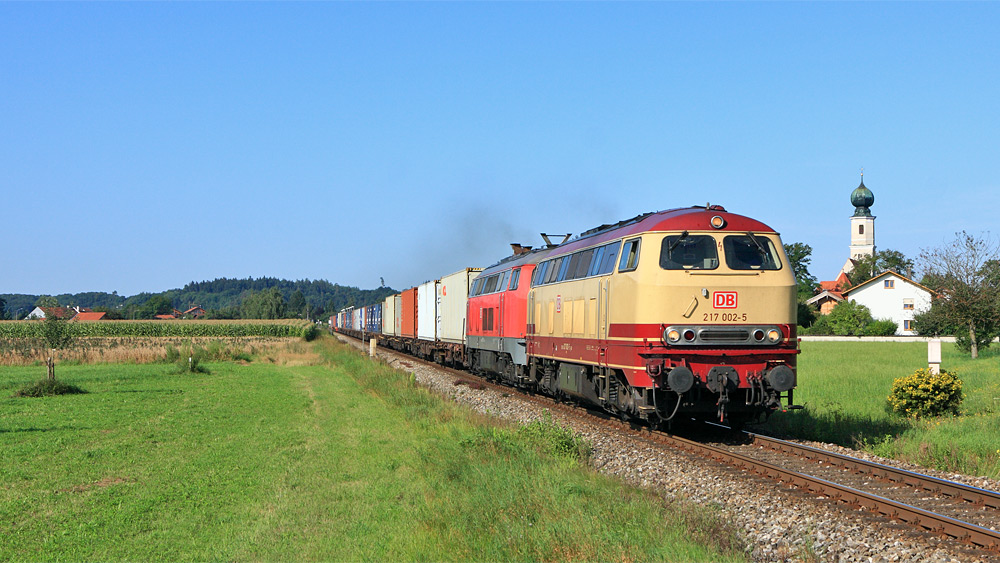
x=89 y=316
x=195 y=312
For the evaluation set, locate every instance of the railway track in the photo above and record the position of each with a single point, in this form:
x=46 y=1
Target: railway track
x=925 y=503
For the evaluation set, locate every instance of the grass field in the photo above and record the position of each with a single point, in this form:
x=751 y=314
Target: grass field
x=844 y=386
x=331 y=457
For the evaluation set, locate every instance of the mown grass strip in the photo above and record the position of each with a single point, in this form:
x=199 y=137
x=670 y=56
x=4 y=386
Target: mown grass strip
x=344 y=461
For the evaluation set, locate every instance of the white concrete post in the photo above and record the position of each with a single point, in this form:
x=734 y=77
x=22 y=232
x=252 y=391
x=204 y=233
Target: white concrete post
x=371 y=346
x=934 y=355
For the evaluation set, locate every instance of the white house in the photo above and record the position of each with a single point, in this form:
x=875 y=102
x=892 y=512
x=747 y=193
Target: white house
x=894 y=297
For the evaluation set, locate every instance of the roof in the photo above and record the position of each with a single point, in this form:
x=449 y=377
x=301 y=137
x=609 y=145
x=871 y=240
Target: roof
x=88 y=316
x=164 y=317
x=193 y=309
x=835 y=286
x=58 y=312
x=835 y=295
x=887 y=273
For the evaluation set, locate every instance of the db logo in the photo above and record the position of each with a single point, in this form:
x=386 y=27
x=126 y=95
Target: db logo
x=724 y=300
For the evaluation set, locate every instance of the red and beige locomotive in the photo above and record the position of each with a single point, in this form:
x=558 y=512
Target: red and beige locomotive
x=688 y=311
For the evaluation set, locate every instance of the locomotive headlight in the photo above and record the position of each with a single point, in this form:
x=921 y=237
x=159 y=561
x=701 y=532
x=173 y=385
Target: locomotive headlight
x=673 y=336
x=718 y=222
x=773 y=335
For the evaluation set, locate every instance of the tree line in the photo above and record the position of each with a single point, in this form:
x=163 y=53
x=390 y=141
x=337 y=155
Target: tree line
x=247 y=298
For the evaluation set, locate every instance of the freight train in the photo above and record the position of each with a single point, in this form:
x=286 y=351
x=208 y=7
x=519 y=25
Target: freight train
x=686 y=312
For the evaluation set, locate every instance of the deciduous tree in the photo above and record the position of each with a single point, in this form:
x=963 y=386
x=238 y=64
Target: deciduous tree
x=268 y=304
x=966 y=275
x=800 y=255
x=46 y=301
x=870 y=266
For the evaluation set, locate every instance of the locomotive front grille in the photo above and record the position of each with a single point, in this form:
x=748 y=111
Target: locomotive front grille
x=725 y=335
x=743 y=335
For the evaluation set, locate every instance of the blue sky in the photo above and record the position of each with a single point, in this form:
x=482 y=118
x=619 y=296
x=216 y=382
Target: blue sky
x=146 y=145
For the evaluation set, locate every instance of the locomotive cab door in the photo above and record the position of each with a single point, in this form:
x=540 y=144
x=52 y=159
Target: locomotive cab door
x=603 y=303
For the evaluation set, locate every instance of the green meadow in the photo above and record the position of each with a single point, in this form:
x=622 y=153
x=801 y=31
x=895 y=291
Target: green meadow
x=330 y=457
x=844 y=385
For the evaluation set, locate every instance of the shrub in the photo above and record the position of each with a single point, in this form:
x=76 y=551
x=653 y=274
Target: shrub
x=48 y=387
x=310 y=332
x=806 y=314
x=173 y=354
x=849 y=318
x=881 y=327
x=821 y=327
x=924 y=394
x=190 y=363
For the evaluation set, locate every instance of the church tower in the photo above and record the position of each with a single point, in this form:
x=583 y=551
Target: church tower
x=863 y=222
x=862 y=225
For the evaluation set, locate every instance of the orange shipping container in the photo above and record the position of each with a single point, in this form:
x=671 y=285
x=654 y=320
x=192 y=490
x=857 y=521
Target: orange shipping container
x=409 y=313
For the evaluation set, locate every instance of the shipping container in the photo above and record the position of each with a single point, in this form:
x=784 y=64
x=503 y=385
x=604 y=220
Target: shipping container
x=357 y=319
x=397 y=321
x=408 y=327
x=373 y=318
x=452 y=300
x=427 y=311
x=389 y=315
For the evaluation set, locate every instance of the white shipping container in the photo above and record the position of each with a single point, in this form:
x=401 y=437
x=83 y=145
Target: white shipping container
x=427 y=311
x=389 y=316
x=397 y=314
x=452 y=300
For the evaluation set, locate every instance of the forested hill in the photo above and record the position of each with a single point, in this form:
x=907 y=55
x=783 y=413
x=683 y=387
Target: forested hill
x=223 y=297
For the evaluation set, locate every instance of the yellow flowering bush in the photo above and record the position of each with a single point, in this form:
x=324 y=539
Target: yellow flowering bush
x=923 y=394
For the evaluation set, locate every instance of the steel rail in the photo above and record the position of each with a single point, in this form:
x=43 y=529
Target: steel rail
x=936 y=523
x=973 y=495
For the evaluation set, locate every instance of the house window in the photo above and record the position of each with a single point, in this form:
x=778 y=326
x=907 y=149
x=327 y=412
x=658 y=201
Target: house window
x=890 y=284
x=907 y=325
x=908 y=304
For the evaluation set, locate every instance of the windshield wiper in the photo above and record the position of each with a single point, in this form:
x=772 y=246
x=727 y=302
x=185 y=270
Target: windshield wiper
x=673 y=245
x=760 y=248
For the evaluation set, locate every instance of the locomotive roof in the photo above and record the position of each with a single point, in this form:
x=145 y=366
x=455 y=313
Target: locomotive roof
x=696 y=218
x=531 y=257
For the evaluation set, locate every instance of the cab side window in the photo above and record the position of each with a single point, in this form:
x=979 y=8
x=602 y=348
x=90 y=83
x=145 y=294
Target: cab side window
x=514 y=278
x=630 y=256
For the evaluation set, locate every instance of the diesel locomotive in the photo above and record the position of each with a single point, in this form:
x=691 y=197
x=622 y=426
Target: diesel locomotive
x=682 y=312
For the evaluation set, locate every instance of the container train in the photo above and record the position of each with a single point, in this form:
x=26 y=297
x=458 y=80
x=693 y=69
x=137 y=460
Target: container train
x=687 y=312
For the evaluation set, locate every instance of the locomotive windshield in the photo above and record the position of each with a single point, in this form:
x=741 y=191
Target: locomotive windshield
x=688 y=252
x=749 y=252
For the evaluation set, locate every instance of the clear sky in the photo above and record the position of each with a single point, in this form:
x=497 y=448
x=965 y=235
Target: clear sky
x=146 y=145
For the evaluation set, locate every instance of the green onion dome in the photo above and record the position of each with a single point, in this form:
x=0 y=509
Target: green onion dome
x=862 y=198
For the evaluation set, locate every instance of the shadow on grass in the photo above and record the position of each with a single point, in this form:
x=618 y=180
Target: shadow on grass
x=833 y=426
x=156 y=391
x=34 y=429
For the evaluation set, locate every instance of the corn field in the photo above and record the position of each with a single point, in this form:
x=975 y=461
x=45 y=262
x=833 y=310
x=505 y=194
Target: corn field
x=10 y=330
